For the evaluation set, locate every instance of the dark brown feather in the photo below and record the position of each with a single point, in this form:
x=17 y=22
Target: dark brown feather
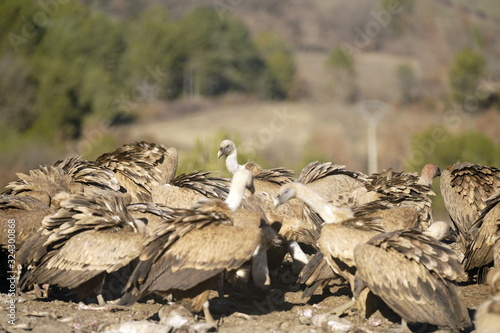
x=414 y=274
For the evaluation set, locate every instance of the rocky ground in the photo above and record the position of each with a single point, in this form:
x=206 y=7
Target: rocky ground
x=282 y=310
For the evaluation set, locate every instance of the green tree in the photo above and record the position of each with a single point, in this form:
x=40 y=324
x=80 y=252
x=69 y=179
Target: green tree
x=280 y=65
x=22 y=26
x=471 y=146
x=465 y=73
x=74 y=73
x=221 y=56
x=407 y=82
x=155 y=56
x=343 y=74
x=400 y=14
x=447 y=149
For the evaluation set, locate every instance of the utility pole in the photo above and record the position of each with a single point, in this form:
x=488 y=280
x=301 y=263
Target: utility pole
x=373 y=111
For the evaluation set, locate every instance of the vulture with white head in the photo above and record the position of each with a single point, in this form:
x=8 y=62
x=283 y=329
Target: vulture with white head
x=298 y=225
x=340 y=233
x=186 y=255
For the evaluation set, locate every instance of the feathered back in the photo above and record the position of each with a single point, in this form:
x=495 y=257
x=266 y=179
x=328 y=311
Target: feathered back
x=25 y=212
x=53 y=181
x=316 y=170
x=435 y=256
x=80 y=213
x=465 y=188
x=152 y=213
x=210 y=187
x=414 y=274
x=480 y=251
x=392 y=218
x=204 y=214
x=140 y=166
x=89 y=173
x=84 y=238
x=399 y=189
x=278 y=176
x=337 y=240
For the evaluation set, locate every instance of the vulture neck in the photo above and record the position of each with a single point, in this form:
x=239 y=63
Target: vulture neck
x=328 y=212
x=236 y=193
x=425 y=180
x=438 y=230
x=232 y=162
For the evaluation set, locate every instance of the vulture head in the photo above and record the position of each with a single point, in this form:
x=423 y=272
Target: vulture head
x=429 y=172
x=226 y=148
x=287 y=192
x=438 y=230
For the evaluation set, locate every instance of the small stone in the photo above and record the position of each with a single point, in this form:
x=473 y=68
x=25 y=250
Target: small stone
x=140 y=326
x=331 y=323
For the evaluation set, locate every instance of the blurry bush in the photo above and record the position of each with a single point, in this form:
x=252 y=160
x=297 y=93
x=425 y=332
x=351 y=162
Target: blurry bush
x=407 y=83
x=343 y=74
x=280 y=76
x=465 y=73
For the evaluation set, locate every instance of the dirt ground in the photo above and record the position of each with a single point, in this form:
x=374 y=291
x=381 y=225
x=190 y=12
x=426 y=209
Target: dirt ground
x=282 y=310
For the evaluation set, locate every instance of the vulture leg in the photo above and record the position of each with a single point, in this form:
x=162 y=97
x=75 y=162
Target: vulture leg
x=206 y=312
x=41 y=291
x=101 y=300
x=404 y=327
x=298 y=256
x=93 y=286
x=260 y=270
x=343 y=308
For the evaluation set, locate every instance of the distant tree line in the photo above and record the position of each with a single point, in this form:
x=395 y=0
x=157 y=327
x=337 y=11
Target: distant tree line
x=62 y=63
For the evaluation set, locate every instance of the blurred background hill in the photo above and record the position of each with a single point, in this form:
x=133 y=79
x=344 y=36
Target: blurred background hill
x=290 y=81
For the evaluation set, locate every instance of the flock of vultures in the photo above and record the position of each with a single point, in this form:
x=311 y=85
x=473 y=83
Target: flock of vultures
x=182 y=236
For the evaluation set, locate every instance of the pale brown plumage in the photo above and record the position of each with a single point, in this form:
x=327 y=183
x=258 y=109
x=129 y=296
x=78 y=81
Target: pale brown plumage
x=49 y=184
x=26 y=212
x=401 y=189
x=140 y=166
x=335 y=259
x=480 y=251
x=185 y=255
x=487 y=317
x=83 y=240
x=318 y=273
x=391 y=218
x=186 y=189
x=332 y=181
x=414 y=274
x=338 y=240
x=53 y=184
x=465 y=188
x=94 y=179
x=151 y=213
